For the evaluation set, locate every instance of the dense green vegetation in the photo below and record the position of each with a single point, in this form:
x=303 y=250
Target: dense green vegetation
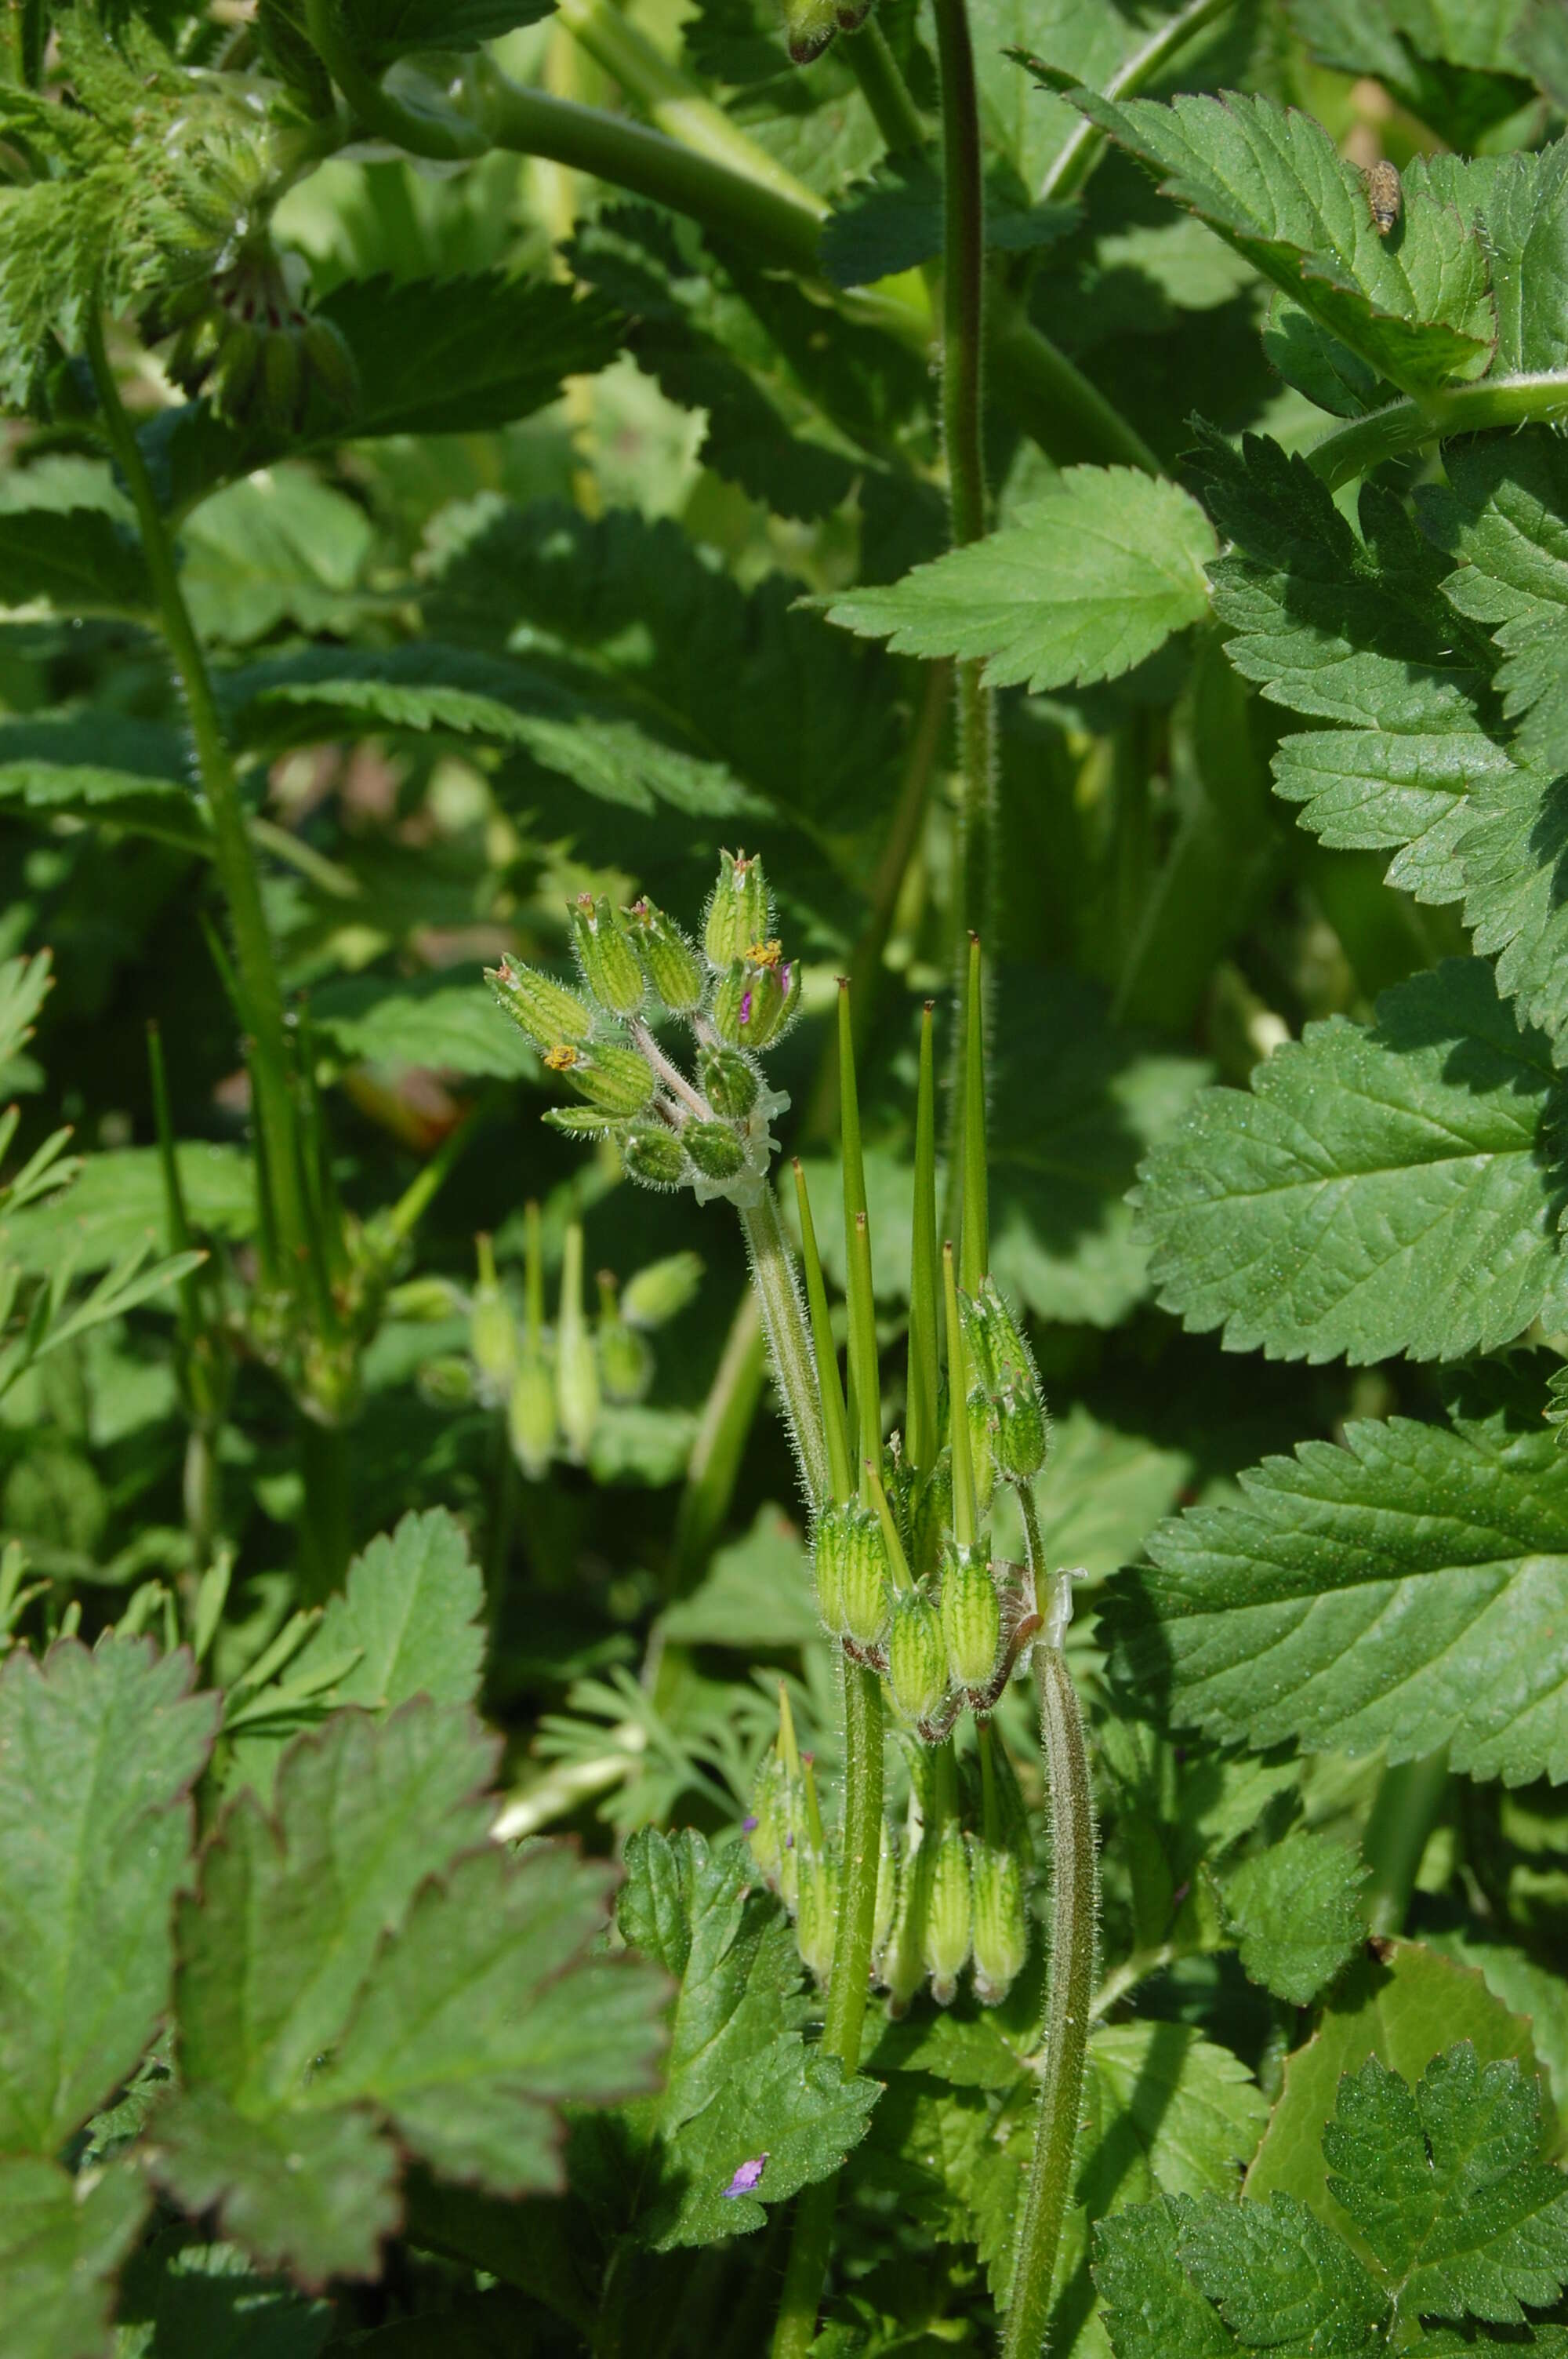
x=807 y=1598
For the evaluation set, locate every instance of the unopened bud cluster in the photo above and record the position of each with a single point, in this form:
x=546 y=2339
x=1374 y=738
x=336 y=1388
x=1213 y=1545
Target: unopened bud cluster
x=553 y=1381
x=952 y=1880
x=810 y=25
x=203 y=270
x=941 y=1619
x=735 y=990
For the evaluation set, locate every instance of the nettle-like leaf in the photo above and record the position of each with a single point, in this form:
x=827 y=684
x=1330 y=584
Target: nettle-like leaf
x=100 y=1751
x=1391 y=1186
x=106 y=768
x=1400 y=1589
x=61 y=2245
x=364 y=1958
x=1297 y=1913
x=579 y=728
x=117 y=1205
x=411 y=1612
x=1086 y=584
x=79 y=563
x=1377 y=635
x=1417 y=307
x=1439 y=2186
x=741 y=2084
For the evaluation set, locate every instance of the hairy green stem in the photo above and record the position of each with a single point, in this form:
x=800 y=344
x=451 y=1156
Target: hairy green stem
x=326 y=1534
x=1407 y=1806
x=1074 y=1908
x=1541 y=399
x=845 y=2023
x=256 y=967
x=1080 y=151
x=789 y=1345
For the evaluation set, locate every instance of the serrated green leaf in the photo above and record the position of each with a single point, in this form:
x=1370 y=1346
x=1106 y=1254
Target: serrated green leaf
x=316 y=2194
x=436 y=1020
x=1528 y=1989
x=1154 y=2309
x=117 y=1206
x=1416 y=793
x=290 y=1910
x=411 y=1612
x=103 y=765
x=1444 y=2182
x=741 y=2084
x=1402 y=2004
x=1417 y=307
x=485 y=2014
x=1505 y=516
x=1176 y=2112
x=279 y=547
x=757 y=1592
x=1398 y=1589
x=1086 y=584
x=462 y=355
x=80 y=562
x=61 y=2245
x=100 y=1751
x=1382 y=1187
x=1296 y=1910
x=571 y=728
x=1279 y=2278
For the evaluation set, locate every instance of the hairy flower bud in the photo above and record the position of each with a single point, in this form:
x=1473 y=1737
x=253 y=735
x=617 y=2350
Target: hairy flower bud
x=492 y=1335
x=653 y=1155
x=917 y=1671
x=728 y=1081
x=1004 y=1367
x=737 y=912
x=539 y=1006
x=767 y=1823
x=715 y=1148
x=615 y=1080
x=756 y=997
x=1000 y=1927
x=531 y=1415
x=852 y=1571
x=610 y=967
x=947 y=1913
x=817 y=1912
x=930 y=1517
x=971 y=1616
x=661 y=1289
x=673 y=968
x=625 y=1356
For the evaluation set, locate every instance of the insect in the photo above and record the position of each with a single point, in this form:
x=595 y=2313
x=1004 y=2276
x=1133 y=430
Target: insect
x=1385 y=198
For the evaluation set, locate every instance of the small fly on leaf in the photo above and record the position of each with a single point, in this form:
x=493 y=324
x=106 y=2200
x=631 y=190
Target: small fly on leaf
x=1385 y=198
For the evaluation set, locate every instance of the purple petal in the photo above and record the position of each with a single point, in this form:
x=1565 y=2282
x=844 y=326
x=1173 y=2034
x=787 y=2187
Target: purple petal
x=745 y=1007
x=749 y=1826
x=746 y=2177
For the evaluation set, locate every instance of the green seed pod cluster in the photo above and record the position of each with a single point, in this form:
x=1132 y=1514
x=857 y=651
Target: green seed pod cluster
x=1004 y=1367
x=971 y=1617
x=853 y=1580
x=917 y=1663
x=953 y=1889
x=552 y=1383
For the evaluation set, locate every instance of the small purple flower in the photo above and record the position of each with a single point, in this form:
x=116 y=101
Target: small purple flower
x=749 y=1826
x=746 y=2177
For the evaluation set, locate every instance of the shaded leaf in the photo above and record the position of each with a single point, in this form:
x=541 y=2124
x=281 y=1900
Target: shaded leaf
x=1296 y=1910
x=437 y=1020
x=61 y=2245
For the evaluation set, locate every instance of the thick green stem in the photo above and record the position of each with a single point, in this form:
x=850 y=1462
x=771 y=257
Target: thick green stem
x=1407 y=1805
x=1537 y=401
x=789 y=1345
x=258 y=972
x=326 y=1534
x=1074 y=1908
x=841 y=2031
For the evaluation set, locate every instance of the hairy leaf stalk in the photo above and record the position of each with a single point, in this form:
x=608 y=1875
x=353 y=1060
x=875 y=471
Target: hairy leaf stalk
x=1074 y=1911
x=789 y=1345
